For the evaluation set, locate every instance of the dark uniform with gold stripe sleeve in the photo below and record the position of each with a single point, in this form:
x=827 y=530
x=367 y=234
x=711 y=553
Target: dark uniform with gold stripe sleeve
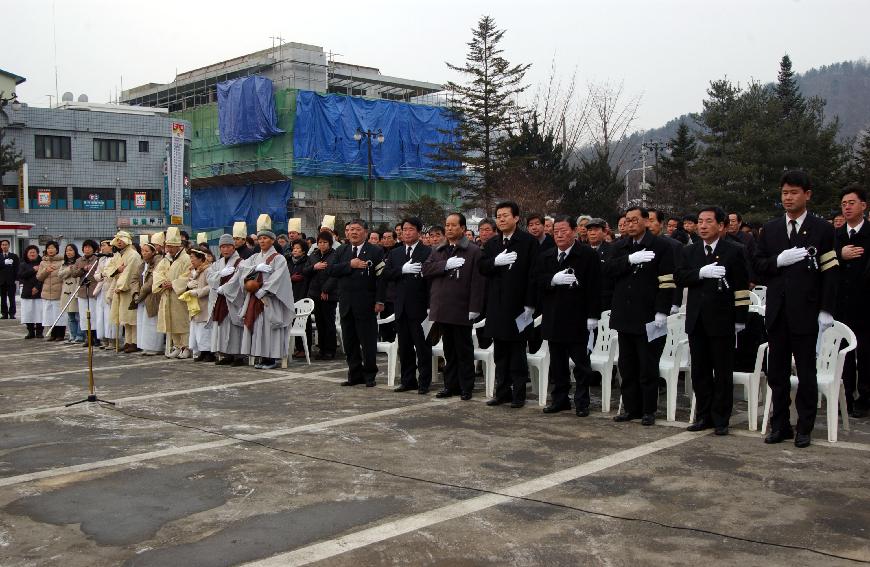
x=795 y=296
x=713 y=307
x=639 y=292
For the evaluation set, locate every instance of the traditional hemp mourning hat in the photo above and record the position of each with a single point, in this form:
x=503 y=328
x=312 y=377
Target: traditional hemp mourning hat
x=264 y=226
x=240 y=229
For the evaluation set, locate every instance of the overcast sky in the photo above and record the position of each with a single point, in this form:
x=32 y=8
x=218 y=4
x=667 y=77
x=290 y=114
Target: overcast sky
x=665 y=51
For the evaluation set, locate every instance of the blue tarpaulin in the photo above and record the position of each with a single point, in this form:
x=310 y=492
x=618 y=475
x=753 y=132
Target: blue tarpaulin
x=323 y=141
x=246 y=111
x=217 y=207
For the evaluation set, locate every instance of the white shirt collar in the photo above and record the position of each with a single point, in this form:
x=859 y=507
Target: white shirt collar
x=800 y=222
x=567 y=250
x=413 y=246
x=856 y=228
x=711 y=245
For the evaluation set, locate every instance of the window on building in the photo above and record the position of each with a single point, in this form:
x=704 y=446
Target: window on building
x=90 y=199
x=9 y=194
x=143 y=146
x=358 y=92
x=53 y=147
x=48 y=197
x=140 y=199
x=395 y=96
x=336 y=89
x=110 y=150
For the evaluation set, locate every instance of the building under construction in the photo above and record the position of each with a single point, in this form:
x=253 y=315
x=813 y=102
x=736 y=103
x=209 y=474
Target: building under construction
x=325 y=178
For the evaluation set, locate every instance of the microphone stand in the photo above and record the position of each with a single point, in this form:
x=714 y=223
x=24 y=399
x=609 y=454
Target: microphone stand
x=92 y=394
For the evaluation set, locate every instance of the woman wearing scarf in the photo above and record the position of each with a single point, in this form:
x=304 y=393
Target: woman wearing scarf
x=52 y=287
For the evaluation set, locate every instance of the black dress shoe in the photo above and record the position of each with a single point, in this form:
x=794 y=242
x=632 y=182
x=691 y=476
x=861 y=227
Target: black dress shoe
x=445 y=394
x=778 y=436
x=370 y=384
x=557 y=408
x=517 y=405
x=699 y=425
x=855 y=413
x=625 y=417
x=496 y=402
x=721 y=430
x=403 y=389
x=802 y=440
x=423 y=391
x=349 y=383
x=648 y=419
x=582 y=412
x=465 y=396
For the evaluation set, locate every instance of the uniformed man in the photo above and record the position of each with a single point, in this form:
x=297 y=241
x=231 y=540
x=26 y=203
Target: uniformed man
x=714 y=271
x=796 y=257
x=641 y=267
x=853 y=299
x=595 y=233
x=568 y=284
x=506 y=262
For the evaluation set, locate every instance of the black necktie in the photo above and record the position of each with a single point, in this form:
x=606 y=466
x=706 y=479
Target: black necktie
x=409 y=252
x=355 y=250
x=709 y=250
x=792 y=237
x=851 y=233
x=561 y=257
x=506 y=242
x=450 y=250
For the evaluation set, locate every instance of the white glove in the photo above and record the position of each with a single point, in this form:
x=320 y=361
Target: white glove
x=563 y=278
x=739 y=327
x=712 y=271
x=472 y=315
x=528 y=311
x=641 y=257
x=260 y=293
x=661 y=319
x=263 y=267
x=505 y=258
x=591 y=324
x=220 y=290
x=675 y=309
x=454 y=262
x=825 y=320
x=229 y=270
x=192 y=284
x=412 y=267
x=9 y=261
x=790 y=256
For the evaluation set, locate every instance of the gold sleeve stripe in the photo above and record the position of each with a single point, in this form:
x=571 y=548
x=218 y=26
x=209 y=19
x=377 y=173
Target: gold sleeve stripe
x=742 y=303
x=830 y=264
x=827 y=256
x=666 y=278
x=667 y=286
x=741 y=294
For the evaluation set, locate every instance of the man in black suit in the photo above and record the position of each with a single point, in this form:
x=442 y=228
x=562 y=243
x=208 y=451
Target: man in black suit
x=404 y=269
x=535 y=227
x=656 y=226
x=595 y=237
x=8 y=276
x=714 y=271
x=853 y=299
x=568 y=284
x=796 y=257
x=690 y=225
x=506 y=262
x=357 y=267
x=641 y=267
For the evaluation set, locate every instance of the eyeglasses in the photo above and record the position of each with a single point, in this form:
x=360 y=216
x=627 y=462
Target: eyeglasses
x=633 y=220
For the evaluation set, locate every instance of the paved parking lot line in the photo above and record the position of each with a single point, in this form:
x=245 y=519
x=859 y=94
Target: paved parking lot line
x=82 y=370
x=235 y=440
x=170 y=393
x=363 y=538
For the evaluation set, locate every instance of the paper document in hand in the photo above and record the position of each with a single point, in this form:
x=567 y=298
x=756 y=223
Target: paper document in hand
x=524 y=320
x=653 y=332
x=427 y=326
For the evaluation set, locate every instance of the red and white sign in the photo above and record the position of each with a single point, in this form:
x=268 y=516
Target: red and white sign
x=139 y=200
x=43 y=198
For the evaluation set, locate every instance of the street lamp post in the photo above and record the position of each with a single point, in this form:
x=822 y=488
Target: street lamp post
x=371 y=138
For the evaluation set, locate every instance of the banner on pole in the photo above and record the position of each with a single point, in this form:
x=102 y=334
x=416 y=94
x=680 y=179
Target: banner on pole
x=176 y=175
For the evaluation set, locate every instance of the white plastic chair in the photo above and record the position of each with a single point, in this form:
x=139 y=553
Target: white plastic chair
x=686 y=359
x=760 y=292
x=605 y=353
x=391 y=349
x=755 y=299
x=304 y=308
x=486 y=356
x=829 y=376
x=751 y=382
x=339 y=343
x=540 y=361
x=676 y=344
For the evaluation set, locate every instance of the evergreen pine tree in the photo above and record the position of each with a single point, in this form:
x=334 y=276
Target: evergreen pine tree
x=483 y=107
x=787 y=90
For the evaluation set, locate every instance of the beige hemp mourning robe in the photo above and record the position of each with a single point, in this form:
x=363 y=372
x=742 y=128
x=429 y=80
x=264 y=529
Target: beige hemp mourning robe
x=172 y=316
